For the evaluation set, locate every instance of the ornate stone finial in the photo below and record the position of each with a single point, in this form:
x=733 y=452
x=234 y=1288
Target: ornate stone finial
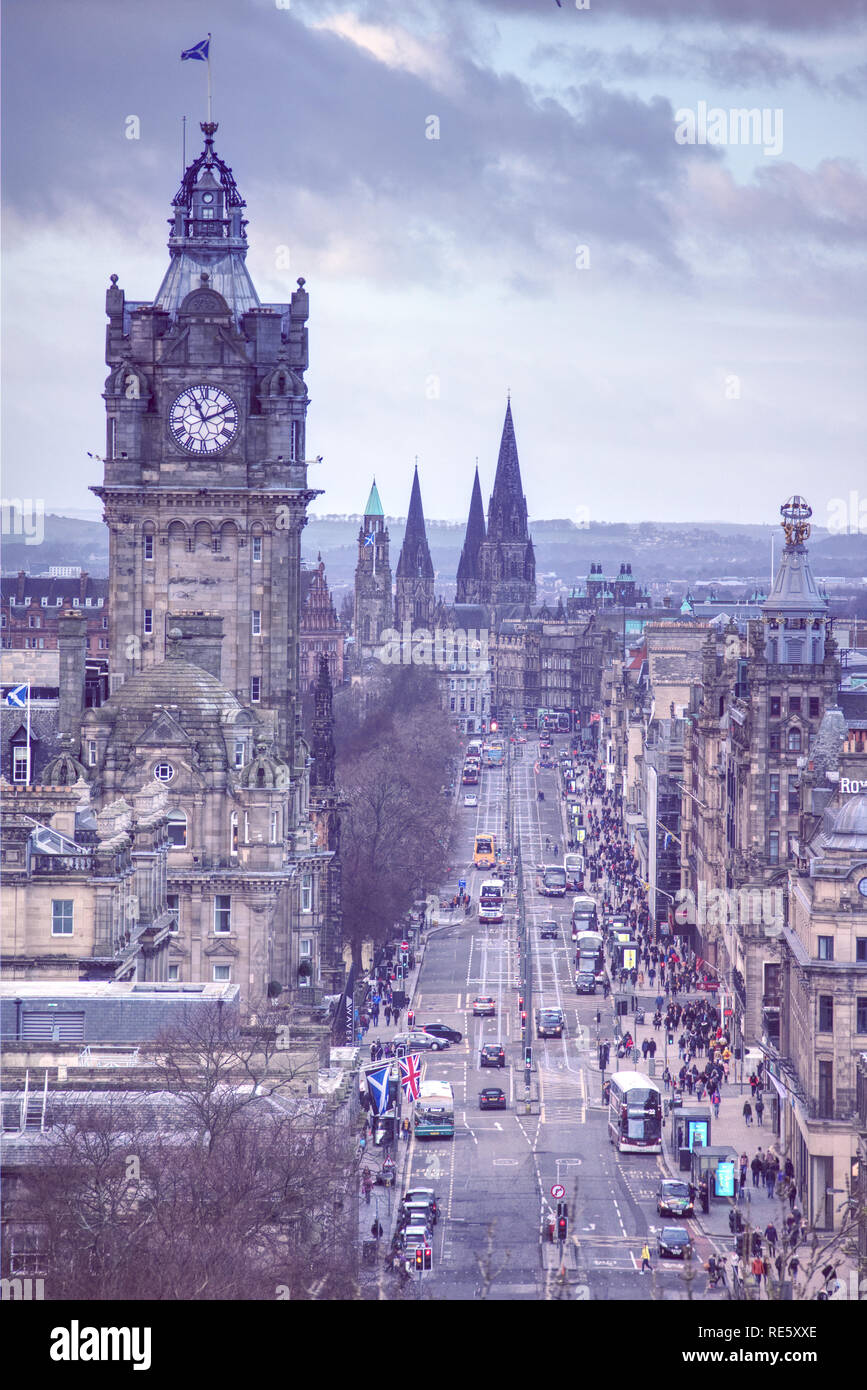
x=205 y=279
x=301 y=282
x=113 y=279
x=796 y=513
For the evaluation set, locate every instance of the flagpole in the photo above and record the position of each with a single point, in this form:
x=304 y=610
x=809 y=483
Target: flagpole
x=209 y=79
x=28 y=733
x=184 y=146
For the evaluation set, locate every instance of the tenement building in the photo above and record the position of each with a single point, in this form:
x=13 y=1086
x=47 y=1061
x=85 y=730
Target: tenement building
x=764 y=692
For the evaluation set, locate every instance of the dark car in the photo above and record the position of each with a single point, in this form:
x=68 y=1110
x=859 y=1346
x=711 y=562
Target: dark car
x=549 y=1023
x=548 y=930
x=673 y=1199
x=442 y=1030
x=674 y=1243
x=585 y=982
x=492 y=1055
x=492 y=1098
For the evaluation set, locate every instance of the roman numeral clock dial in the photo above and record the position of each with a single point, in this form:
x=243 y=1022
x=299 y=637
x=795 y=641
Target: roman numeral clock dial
x=203 y=419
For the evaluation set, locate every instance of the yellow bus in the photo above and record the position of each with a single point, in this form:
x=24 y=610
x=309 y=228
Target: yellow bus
x=484 y=852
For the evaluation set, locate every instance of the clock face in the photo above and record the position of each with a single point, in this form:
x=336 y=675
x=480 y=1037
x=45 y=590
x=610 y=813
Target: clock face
x=862 y=887
x=203 y=419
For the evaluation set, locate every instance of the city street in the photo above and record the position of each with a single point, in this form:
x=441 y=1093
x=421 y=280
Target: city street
x=494 y=1180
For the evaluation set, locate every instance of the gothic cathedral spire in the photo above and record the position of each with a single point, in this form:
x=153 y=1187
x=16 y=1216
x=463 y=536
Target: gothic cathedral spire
x=414 y=590
x=373 y=597
x=468 y=565
x=506 y=559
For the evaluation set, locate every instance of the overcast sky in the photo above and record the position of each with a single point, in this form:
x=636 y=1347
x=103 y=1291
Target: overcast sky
x=704 y=361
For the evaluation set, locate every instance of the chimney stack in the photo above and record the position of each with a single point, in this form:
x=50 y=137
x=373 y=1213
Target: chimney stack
x=72 y=649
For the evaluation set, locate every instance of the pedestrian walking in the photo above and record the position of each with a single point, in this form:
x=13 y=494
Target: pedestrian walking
x=760 y=1109
x=748 y=1116
x=771 y=1237
x=758 y=1270
x=376 y=1230
x=715 y=1102
x=770 y=1177
x=756 y=1168
x=388 y=1015
x=645 y=1258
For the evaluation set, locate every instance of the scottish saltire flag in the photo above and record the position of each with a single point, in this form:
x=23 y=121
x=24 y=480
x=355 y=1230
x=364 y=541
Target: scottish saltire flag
x=377 y=1087
x=198 y=50
x=18 y=697
x=369 y=539
x=410 y=1075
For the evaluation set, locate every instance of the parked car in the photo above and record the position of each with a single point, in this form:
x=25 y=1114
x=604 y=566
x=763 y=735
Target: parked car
x=548 y=931
x=674 y=1243
x=442 y=1030
x=492 y=1098
x=673 y=1199
x=471 y=799
x=484 y=1007
x=426 y=1194
x=492 y=1055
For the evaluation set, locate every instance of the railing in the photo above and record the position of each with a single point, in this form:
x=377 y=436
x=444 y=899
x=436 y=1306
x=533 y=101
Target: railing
x=62 y=863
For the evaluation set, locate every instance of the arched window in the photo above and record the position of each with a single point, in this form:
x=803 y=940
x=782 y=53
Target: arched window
x=794 y=740
x=177 y=826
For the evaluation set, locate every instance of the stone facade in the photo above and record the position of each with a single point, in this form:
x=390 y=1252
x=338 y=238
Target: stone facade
x=321 y=633
x=373 y=592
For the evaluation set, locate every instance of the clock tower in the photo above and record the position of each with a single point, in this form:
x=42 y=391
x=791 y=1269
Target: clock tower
x=205 y=487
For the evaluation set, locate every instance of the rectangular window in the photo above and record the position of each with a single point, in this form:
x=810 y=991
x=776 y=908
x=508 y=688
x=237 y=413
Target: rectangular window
x=861 y=950
x=774 y=794
x=452 y=704
x=255 y=690
x=216 y=545
x=112 y=439
x=826 y=947
x=257 y=549
x=774 y=847
x=174 y=972
x=775 y=707
x=826 y=1013
x=794 y=795
x=105 y=624
x=34 y=621
x=222 y=974
x=256 y=618
x=61 y=916
x=774 y=742
x=814 y=707
x=76 y=602
x=149 y=547
x=173 y=903
x=306 y=947
x=88 y=603
x=44 y=602
x=826 y=1090
x=275 y=827
x=239 y=752
x=148 y=620
x=297 y=440
x=222 y=913
x=794 y=704
x=306 y=892
x=191 y=544
x=861 y=1014
x=91 y=752
x=19 y=764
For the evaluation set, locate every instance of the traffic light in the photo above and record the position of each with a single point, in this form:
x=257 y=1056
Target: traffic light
x=520 y=1001
x=494 y=726
x=562 y=1227
x=670 y=1037
x=428 y=1257
x=528 y=1057
x=419 y=1257
x=523 y=1018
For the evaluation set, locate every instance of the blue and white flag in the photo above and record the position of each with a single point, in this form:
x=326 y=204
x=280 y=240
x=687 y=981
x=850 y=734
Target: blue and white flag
x=377 y=1086
x=18 y=697
x=198 y=50
x=369 y=538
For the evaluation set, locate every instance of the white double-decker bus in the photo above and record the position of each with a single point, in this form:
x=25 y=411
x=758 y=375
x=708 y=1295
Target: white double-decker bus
x=491 y=900
x=635 y=1113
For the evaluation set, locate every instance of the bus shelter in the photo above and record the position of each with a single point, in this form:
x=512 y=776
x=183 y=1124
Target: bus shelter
x=716 y=1166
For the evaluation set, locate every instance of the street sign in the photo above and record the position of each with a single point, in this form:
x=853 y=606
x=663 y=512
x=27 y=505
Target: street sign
x=462 y=883
x=558 y=1190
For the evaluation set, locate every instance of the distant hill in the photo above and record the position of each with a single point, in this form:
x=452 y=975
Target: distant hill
x=659 y=552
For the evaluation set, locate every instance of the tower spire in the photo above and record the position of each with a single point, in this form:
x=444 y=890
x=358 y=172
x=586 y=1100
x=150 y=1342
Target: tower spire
x=468 y=565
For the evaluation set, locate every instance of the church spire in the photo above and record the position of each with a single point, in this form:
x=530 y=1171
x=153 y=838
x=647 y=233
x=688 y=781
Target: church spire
x=475 y=535
x=415 y=557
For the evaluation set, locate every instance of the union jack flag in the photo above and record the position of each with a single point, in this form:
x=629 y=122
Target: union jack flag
x=410 y=1075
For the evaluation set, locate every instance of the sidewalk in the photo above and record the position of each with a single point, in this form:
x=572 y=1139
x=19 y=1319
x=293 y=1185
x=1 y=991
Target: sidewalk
x=728 y=1129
